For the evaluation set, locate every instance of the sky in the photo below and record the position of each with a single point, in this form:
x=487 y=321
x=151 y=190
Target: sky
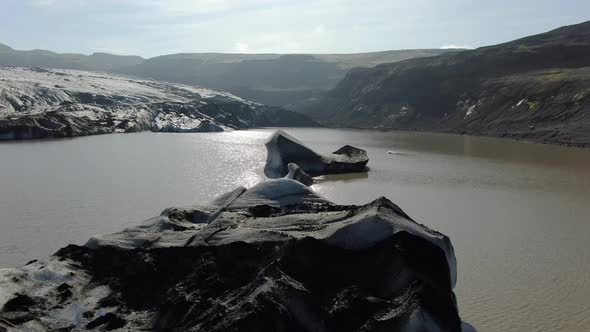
x=155 y=27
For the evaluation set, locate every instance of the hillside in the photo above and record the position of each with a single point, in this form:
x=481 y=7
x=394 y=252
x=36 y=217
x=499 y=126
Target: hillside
x=272 y=79
x=535 y=88
x=40 y=103
x=48 y=59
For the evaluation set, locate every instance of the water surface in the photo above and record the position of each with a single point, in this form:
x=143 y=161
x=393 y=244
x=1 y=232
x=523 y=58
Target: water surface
x=517 y=213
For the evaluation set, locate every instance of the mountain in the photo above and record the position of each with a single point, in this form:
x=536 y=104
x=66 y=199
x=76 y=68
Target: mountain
x=39 y=103
x=272 y=79
x=535 y=88
x=4 y=48
x=48 y=59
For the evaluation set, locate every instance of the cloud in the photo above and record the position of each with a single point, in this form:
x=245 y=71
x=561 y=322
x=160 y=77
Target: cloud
x=320 y=29
x=162 y=9
x=154 y=27
x=44 y=4
x=453 y=46
x=241 y=47
x=185 y=8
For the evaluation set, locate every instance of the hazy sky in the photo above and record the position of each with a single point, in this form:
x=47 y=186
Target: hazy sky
x=154 y=27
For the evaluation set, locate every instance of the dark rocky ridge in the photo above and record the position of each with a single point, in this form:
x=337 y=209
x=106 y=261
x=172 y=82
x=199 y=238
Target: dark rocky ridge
x=535 y=88
x=40 y=103
x=275 y=257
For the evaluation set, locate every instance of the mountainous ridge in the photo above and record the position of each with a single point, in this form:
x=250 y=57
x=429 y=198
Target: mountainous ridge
x=272 y=79
x=49 y=59
x=5 y=47
x=535 y=88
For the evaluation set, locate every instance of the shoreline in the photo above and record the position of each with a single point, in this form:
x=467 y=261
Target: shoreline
x=457 y=132
x=503 y=136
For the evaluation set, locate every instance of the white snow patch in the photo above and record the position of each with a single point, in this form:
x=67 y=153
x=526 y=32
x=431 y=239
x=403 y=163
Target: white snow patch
x=470 y=110
x=522 y=101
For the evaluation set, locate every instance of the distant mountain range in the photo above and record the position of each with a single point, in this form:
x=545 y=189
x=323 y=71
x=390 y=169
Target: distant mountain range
x=272 y=79
x=48 y=59
x=535 y=88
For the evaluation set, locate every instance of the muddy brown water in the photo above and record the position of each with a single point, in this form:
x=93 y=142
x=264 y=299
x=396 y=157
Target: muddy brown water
x=518 y=214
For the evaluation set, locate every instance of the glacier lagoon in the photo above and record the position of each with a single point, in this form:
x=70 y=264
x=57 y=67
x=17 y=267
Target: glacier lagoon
x=515 y=212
